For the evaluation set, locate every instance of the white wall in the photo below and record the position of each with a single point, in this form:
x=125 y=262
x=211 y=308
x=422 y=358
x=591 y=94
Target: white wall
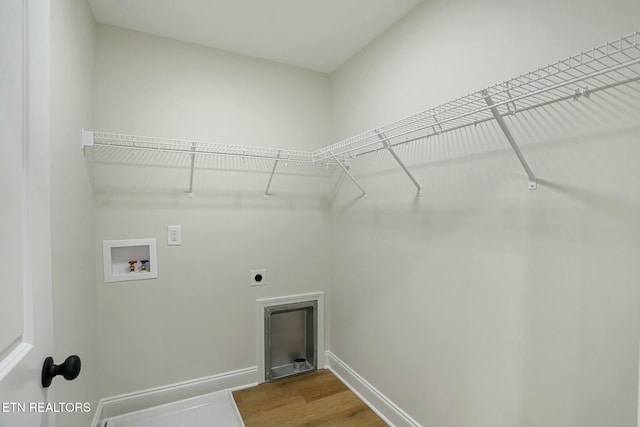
x=479 y=304
x=444 y=50
x=483 y=303
x=197 y=319
x=72 y=214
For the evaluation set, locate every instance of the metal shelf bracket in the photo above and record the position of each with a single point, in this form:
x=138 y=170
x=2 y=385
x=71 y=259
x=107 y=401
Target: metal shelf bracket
x=346 y=171
x=533 y=183
x=387 y=145
x=193 y=162
x=273 y=171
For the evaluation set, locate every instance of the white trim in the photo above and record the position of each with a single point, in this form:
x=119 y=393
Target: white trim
x=378 y=402
x=27 y=154
x=262 y=303
x=244 y=378
x=14 y=357
x=35 y=145
x=290 y=299
x=143 y=399
x=235 y=407
x=97 y=415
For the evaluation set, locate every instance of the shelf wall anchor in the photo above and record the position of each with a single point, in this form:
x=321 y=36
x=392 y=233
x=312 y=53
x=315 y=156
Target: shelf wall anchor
x=273 y=171
x=346 y=171
x=387 y=145
x=87 y=138
x=579 y=93
x=533 y=183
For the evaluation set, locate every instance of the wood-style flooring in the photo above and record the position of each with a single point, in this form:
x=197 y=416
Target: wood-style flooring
x=313 y=399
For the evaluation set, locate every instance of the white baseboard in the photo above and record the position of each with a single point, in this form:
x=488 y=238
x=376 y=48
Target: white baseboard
x=97 y=415
x=378 y=402
x=130 y=402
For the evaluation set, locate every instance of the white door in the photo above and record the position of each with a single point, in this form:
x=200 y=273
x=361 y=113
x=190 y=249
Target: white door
x=25 y=246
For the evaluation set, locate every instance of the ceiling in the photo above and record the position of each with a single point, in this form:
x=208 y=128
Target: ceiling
x=318 y=35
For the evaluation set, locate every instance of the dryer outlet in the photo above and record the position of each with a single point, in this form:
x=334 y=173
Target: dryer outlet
x=258 y=277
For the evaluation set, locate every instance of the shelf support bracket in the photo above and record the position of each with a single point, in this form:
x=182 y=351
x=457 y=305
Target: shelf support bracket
x=346 y=171
x=533 y=184
x=193 y=163
x=387 y=145
x=273 y=171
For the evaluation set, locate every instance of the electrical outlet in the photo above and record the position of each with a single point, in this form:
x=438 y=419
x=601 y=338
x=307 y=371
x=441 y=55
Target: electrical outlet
x=174 y=235
x=258 y=277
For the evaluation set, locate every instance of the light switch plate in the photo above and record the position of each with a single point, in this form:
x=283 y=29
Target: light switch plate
x=174 y=235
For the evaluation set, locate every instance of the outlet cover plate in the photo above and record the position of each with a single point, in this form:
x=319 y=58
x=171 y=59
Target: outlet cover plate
x=174 y=235
x=258 y=277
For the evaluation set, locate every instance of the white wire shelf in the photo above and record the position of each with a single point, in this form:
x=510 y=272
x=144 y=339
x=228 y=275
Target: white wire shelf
x=157 y=144
x=603 y=67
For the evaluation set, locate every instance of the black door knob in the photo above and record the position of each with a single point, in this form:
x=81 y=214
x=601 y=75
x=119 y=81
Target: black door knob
x=69 y=369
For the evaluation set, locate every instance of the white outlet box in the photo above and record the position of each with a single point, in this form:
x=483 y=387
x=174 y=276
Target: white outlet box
x=258 y=277
x=174 y=235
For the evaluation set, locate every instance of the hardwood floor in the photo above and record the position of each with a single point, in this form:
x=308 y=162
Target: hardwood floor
x=314 y=399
